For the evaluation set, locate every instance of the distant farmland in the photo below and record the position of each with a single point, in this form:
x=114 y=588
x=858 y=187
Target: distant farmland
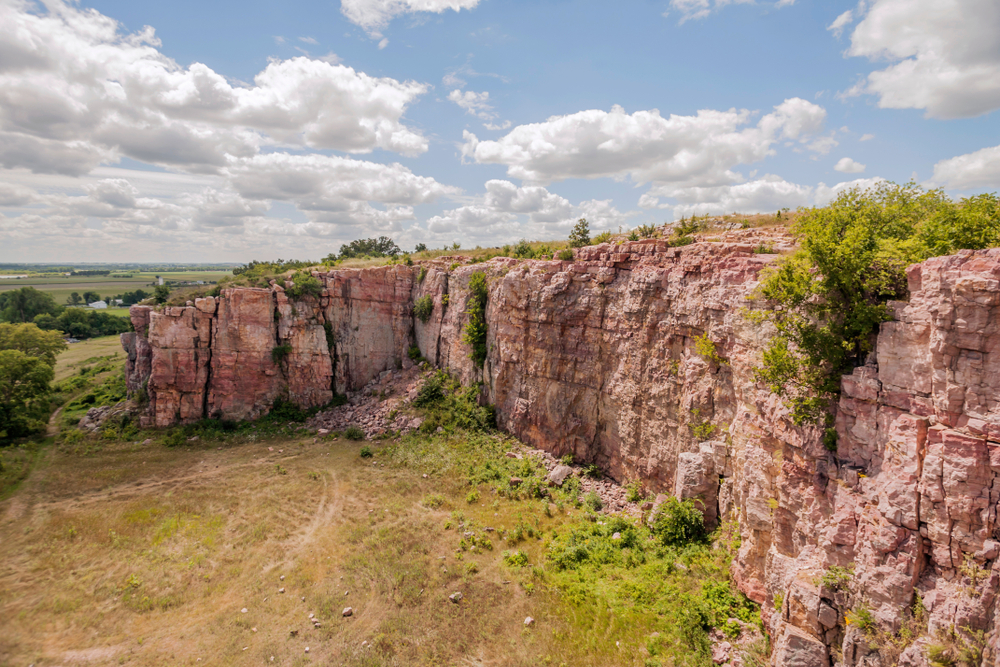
x=60 y=288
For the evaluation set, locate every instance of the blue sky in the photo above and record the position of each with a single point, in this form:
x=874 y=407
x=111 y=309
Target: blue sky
x=224 y=131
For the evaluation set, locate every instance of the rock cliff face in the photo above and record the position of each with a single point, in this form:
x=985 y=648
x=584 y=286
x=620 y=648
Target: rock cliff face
x=637 y=357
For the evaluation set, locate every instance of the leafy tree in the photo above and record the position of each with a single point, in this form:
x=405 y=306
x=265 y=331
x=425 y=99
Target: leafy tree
x=83 y=324
x=161 y=293
x=580 y=236
x=32 y=340
x=257 y=268
x=132 y=298
x=22 y=305
x=91 y=297
x=834 y=290
x=74 y=299
x=383 y=246
x=679 y=522
x=474 y=333
x=421 y=247
x=24 y=386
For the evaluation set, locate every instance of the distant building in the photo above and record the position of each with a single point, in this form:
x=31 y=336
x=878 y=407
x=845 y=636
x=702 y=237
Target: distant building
x=98 y=304
x=161 y=280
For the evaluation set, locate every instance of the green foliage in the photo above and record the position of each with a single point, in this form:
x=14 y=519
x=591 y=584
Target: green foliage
x=366 y=451
x=83 y=324
x=679 y=522
x=704 y=346
x=422 y=274
x=258 y=269
x=420 y=247
x=833 y=291
x=593 y=502
x=432 y=390
x=688 y=227
x=31 y=340
x=414 y=353
x=523 y=250
x=423 y=308
x=383 y=246
x=646 y=231
x=283 y=410
x=634 y=492
x=24 y=388
x=593 y=471
x=603 y=237
x=515 y=558
x=565 y=255
x=304 y=284
x=580 y=236
x=633 y=236
x=472 y=497
x=475 y=331
x=24 y=304
x=280 y=352
x=862 y=617
x=353 y=432
x=161 y=293
x=836 y=577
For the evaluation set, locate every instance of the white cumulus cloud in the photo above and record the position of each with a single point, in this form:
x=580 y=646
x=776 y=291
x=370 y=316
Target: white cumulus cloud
x=944 y=55
x=848 y=166
x=980 y=169
x=477 y=104
x=375 y=15
x=696 y=150
x=75 y=91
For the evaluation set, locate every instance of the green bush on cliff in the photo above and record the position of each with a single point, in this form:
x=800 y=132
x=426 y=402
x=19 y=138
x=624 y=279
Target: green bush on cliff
x=475 y=330
x=304 y=284
x=832 y=293
x=423 y=308
x=679 y=522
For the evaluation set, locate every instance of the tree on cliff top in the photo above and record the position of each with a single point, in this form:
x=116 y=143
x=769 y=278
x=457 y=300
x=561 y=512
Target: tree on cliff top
x=580 y=236
x=383 y=246
x=833 y=291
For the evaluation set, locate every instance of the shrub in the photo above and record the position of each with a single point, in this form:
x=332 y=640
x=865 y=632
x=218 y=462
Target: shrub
x=473 y=497
x=414 y=353
x=633 y=236
x=304 y=284
x=592 y=470
x=422 y=274
x=706 y=348
x=634 y=492
x=523 y=250
x=366 y=451
x=646 y=231
x=280 y=352
x=603 y=237
x=565 y=255
x=836 y=577
x=593 y=501
x=284 y=410
x=679 y=522
x=354 y=432
x=423 y=308
x=431 y=391
x=580 y=236
x=833 y=291
x=475 y=331
x=515 y=558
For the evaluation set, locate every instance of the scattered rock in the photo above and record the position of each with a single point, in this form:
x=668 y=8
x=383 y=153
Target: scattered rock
x=348 y=611
x=455 y=597
x=243 y=611
x=529 y=621
x=281 y=590
x=515 y=481
x=559 y=475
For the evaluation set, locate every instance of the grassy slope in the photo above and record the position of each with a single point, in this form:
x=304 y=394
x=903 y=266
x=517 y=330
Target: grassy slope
x=118 y=552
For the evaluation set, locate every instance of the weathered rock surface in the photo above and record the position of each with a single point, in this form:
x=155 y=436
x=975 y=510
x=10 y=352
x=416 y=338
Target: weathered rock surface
x=598 y=358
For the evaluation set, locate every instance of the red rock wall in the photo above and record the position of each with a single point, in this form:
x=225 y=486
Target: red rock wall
x=598 y=358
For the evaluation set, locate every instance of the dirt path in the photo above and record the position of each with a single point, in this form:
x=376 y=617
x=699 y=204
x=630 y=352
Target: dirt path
x=52 y=430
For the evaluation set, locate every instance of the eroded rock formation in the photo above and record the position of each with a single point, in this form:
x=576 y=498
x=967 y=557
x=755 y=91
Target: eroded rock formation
x=601 y=358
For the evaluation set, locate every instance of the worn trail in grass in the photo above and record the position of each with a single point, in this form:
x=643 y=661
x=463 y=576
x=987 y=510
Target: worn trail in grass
x=240 y=546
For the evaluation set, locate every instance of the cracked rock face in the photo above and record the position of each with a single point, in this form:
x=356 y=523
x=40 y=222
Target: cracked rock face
x=599 y=358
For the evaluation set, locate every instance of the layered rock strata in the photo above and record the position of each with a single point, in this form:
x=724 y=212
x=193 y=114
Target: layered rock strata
x=638 y=357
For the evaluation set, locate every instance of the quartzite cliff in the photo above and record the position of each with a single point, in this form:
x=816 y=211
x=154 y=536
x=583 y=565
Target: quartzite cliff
x=597 y=357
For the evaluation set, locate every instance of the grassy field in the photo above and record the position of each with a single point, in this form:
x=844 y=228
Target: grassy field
x=244 y=546
x=60 y=288
x=88 y=352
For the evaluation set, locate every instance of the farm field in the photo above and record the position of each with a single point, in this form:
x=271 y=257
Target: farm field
x=60 y=288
